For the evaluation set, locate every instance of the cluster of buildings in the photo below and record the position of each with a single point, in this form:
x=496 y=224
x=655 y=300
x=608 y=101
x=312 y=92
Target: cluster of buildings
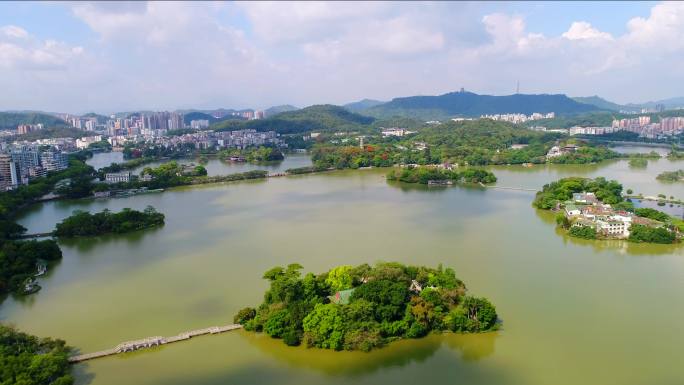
x=584 y=209
x=395 y=131
x=561 y=150
x=148 y=124
x=217 y=140
x=26 y=128
x=519 y=118
x=642 y=125
x=21 y=162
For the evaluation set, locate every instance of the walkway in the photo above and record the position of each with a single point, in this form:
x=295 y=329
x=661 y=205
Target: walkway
x=508 y=188
x=149 y=342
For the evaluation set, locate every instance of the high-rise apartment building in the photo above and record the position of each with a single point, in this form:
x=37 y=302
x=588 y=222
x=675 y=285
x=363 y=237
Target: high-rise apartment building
x=9 y=174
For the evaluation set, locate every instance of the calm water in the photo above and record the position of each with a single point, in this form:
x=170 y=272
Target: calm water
x=574 y=312
x=214 y=166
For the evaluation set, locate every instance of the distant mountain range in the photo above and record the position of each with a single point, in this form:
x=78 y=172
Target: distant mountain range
x=323 y=117
x=668 y=104
x=362 y=105
x=275 y=110
x=10 y=120
x=601 y=103
x=468 y=104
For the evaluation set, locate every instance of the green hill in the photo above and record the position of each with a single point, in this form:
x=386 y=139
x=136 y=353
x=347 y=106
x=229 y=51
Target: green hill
x=314 y=118
x=196 y=115
x=10 y=120
x=468 y=104
x=275 y=110
x=101 y=119
x=362 y=105
x=600 y=103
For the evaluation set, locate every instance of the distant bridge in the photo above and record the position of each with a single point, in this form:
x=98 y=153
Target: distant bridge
x=130 y=346
x=34 y=236
x=508 y=188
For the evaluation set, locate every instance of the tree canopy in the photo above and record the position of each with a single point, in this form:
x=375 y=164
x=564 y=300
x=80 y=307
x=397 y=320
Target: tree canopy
x=386 y=302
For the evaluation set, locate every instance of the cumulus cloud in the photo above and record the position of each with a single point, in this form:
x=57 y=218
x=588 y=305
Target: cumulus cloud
x=20 y=50
x=255 y=54
x=581 y=30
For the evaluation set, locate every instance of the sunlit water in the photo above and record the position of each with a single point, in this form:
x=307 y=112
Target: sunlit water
x=574 y=312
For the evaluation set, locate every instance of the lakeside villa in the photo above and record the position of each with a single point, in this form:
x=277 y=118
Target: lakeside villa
x=585 y=209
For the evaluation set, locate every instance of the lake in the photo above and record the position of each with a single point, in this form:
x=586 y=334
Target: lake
x=573 y=311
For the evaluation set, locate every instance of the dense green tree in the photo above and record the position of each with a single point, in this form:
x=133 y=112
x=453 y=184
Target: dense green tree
x=641 y=233
x=82 y=223
x=586 y=232
x=340 y=278
x=380 y=308
x=29 y=360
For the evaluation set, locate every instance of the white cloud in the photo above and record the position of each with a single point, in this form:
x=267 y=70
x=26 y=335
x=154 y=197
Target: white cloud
x=581 y=30
x=255 y=54
x=19 y=50
x=14 y=31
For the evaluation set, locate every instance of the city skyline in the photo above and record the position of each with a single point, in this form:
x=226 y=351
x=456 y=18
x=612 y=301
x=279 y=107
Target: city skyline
x=109 y=57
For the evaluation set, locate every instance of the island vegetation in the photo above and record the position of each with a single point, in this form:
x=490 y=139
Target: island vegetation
x=30 y=360
x=436 y=175
x=84 y=224
x=364 y=307
x=638 y=162
x=253 y=154
x=671 y=176
x=596 y=209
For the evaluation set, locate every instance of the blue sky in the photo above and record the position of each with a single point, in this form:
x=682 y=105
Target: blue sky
x=106 y=57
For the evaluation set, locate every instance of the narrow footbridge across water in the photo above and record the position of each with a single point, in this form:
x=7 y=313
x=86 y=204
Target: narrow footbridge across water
x=508 y=188
x=149 y=342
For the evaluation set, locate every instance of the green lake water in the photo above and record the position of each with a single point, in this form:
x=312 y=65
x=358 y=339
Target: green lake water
x=573 y=311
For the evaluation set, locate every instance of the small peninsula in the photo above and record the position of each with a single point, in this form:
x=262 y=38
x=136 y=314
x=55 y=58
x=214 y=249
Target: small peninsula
x=595 y=209
x=85 y=224
x=364 y=307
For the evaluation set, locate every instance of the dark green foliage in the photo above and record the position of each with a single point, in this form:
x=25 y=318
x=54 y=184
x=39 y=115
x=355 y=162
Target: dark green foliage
x=480 y=142
x=652 y=214
x=244 y=315
x=83 y=223
x=342 y=157
x=423 y=175
x=561 y=190
x=641 y=233
x=586 y=154
x=255 y=154
x=19 y=259
x=381 y=307
x=388 y=297
x=586 y=232
x=29 y=360
x=101 y=145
